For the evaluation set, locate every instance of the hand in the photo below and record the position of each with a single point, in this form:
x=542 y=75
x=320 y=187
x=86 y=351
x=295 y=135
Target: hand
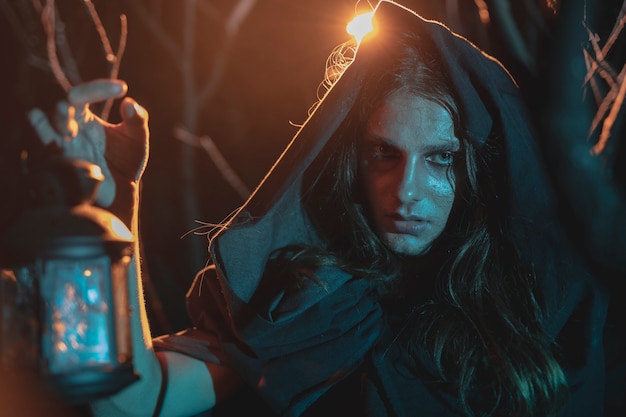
x=121 y=150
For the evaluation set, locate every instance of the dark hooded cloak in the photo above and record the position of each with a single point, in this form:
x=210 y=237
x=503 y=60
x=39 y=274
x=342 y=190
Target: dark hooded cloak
x=306 y=340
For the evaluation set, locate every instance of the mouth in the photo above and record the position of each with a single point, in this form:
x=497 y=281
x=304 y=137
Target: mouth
x=411 y=225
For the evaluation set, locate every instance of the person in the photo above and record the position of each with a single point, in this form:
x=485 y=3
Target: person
x=401 y=258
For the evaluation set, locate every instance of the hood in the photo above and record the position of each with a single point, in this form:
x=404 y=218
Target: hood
x=487 y=96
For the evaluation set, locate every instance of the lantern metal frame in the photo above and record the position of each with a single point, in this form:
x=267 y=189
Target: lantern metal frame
x=69 y=259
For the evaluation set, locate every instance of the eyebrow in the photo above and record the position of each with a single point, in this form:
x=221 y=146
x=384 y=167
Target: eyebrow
x=437 y=144
x=444 y=144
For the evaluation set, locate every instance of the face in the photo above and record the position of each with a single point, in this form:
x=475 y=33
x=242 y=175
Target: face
x=405 y=165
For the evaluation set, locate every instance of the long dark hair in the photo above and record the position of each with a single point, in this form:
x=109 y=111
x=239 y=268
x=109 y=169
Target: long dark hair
x=479 y=325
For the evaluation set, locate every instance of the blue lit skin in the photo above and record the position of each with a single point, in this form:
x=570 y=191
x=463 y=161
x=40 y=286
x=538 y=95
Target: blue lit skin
x=405 y=163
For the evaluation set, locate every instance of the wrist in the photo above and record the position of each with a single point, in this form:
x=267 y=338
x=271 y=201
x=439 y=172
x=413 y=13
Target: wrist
x=126 y=205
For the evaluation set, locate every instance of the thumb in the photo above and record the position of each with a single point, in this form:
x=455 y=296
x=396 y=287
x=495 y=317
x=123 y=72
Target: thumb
x=128 y=142
x=134 y=123
x=132 y=113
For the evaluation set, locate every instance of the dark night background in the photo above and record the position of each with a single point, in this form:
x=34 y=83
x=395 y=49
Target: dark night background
x=273 y=66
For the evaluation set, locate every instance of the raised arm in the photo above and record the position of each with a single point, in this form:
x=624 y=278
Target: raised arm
x=121 y=151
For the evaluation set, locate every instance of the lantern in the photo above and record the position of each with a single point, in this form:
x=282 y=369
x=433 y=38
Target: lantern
x=64 y=291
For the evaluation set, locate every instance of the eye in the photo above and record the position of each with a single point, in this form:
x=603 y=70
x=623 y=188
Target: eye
x=384 y=151
x=444 y=158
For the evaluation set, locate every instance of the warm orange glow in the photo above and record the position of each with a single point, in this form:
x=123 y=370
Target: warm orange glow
x=360 y=26
x=483 y=11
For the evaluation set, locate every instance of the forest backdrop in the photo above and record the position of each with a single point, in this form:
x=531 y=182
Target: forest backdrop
x=228 y=81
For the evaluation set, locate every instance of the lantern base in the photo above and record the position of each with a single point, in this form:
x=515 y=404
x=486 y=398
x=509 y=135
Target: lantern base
x=89 y=385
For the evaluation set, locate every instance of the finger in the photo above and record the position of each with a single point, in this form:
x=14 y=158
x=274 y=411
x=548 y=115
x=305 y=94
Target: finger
x=96 y=91
x=132 y=112
x=40 y=123
x=134 y=119
x=65 y=121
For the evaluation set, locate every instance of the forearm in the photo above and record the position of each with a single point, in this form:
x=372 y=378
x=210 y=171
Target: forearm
x=122 y=150
x=189 y=387
x=144 y=361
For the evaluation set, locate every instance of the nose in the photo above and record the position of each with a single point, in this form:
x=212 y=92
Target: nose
x=411 y=183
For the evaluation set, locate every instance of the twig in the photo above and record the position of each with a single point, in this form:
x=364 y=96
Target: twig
x=617 y=28
x=116 y=62
x=593 y=83
x=240 y=12
x=237 y=16
x=104 y=39
x=70 y=67
x=603 y=102
x=609 y=120
x=157 y=31
x=48 y=21
x=614 y=98
x=113 y=58
x=227 y=172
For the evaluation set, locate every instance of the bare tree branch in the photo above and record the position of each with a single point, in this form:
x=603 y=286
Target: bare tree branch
x=610 y=105
x=240 y=12
x=69 y=64
x=237 y=16
x=615 y=32
x=48 y=19
x=594 y=218
x=116 y=62
x=227 y=172
x=193 y=95
x=593 y=82
x=609 y=120
x=152 y=24
x=104 y=39
x=603 y=100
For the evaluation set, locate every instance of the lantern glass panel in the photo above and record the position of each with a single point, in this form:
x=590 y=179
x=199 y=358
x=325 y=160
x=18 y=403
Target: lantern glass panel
x=80 y=326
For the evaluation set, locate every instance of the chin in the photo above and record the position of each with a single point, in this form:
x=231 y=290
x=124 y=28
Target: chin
x=407 y=245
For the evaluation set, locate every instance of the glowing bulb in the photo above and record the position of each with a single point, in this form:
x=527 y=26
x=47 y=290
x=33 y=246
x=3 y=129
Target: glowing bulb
x=360 y=26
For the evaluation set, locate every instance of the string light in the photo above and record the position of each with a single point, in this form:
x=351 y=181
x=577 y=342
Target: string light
x=360 y=26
